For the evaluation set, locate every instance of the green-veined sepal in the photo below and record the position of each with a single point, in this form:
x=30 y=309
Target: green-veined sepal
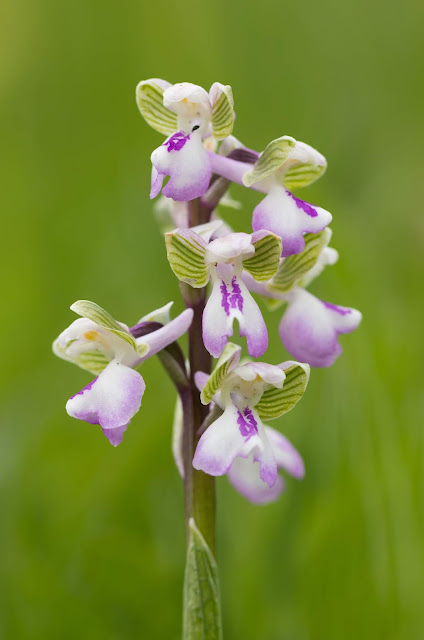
x=276 y=402
x=271 y=159
x=222 y=102
x=96 y=314
x=263 y=265
x=294 y=267
x=149 y=97
x=186 y=252
x=228 y=360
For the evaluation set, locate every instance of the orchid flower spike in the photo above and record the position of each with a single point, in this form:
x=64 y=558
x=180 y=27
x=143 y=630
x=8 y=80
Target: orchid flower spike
x=106 y=348
x=309 y=328
x=195 y=260
x=188 y=115
x=237 y=443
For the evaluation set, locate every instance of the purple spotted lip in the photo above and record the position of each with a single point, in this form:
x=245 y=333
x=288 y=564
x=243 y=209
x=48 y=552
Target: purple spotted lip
x=248 y=426
x=176 y=142
x=231 y=299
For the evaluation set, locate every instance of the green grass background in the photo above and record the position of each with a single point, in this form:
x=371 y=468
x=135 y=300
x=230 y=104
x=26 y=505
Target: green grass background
x=91 y=537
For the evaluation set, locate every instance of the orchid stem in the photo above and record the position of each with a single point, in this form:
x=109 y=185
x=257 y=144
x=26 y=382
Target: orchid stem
x=199 y=488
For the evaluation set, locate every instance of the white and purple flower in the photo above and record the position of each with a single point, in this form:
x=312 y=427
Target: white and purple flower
x=222 y=260
x=238 y=443
x=189 y=115
x=101 y=345
x=309 y=328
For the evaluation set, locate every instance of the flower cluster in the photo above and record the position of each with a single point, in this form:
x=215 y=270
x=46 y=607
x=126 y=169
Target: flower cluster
x=285 y=249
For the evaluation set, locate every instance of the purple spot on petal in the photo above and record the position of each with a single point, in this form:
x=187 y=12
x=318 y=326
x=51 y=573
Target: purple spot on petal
x=225 y=304
x=305 y=206
x=236 y=298
x=341 y=310
x=248 y=426
x=176 y=141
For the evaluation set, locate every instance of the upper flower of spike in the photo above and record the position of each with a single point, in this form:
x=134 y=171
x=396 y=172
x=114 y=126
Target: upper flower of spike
x=187 y=114
x=248 y=394
x=101 y=345
x=195 y=261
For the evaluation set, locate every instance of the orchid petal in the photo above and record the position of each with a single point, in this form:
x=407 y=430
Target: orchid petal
x=235 y=434
x=149 y=97
x=110 y=400
x=252 y=324
x=277 y=401
x=271 y=159
x=99 y=316
x=162 y=315
x=170 y=332
x=289 y=217
x=226 y=248
x=222 y=102
x=295 y=267
x=229 y=359
x=116 y=435
x=186 y=252
x=185 y=160
x=310 y=328
x=217 y=322
x=263 y=265
x=244 y=476
x=286 y=456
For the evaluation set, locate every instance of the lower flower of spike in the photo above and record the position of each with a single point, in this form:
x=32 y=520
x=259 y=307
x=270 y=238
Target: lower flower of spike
x=238 y=443
x=101 y=345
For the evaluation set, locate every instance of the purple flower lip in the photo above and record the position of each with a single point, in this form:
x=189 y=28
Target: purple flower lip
x=341 y=310
x=176 y=142
x=305 y=206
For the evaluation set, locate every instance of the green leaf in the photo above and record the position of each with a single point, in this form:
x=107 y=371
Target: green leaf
x=294 y=267
x=222 y=110
x=99 y=316
x=263 y=265
x=149 y=97
x=275 y=402
x=202 y=601
x=228 y=360
x=303 y=174
x=186 y=254
x=271 y=159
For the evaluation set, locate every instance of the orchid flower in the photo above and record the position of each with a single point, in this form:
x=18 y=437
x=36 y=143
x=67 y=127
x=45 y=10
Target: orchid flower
x=194 y=260
x=309 y=328
x=238 y=443
x=243 y=473
x=106 y=348
x=187 y=114
x=284 y=165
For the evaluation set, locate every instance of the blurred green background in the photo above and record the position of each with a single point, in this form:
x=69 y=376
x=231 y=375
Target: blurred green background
x=91 y=537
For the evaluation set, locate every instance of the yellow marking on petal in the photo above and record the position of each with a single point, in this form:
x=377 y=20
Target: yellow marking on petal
x=184 y=100
x=91 y=335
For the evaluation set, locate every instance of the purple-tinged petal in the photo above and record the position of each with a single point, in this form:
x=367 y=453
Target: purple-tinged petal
x=244 y=476
x=237 y=433
x=290 y=218
x=185 y=160
x=217 y=322
x=252 y=324
x=310 y=328
x=286 y=456
x=161 y=338
x=156 y=182
x=115 y=435
x=111 y=399
x=269 y=373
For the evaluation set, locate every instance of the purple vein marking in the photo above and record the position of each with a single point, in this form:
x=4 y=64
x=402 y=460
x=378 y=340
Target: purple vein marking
x=176 y=141
x=305 y=206
x=231 y=299
x=341 y=310
x=248 y=426
x=86 y=388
